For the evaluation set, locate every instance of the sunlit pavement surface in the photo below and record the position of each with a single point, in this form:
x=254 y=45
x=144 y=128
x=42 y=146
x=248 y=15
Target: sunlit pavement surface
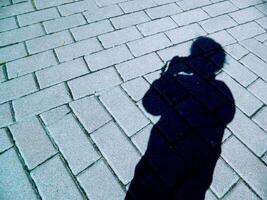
x=72 y=77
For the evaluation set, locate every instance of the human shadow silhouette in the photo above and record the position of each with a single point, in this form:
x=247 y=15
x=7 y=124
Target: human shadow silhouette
x=185 y=144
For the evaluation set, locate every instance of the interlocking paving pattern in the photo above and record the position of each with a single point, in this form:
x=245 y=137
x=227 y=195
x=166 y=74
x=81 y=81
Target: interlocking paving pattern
x=72 y=77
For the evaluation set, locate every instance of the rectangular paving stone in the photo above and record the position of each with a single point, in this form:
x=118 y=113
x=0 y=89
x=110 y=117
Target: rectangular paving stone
x=103 y=3
x=220 y=8
x=61 y=72
x=103 y=13
x=246 y=15
x=54 y=181
x=139 y=66
x=73 y=143
x=185 y=33
x=48 y=42
x=210 y=196
x=259 y=88
x=30 y=64
x=38 y=16
x=261 y=118
x=94 y=82
x=246 y=31
x=12 y=52
x=256 y=65
x=120 y=106
x=156 y=26
x=16 y=88
x=14 y=181
x=141 y=138
x=8 y=24
x=263 y=22
x=40 y=101
x=78 y=49
x=119 y=37
x=99 y=183
x=129 y=19
x=217 y=23
x=245 y=3
x=189 y=17
x=20 y=34
x=91 y=30
x=262 y=37
x=223 y=38
x=247 y=102
x=236 y=51
x=63 y=23
x=149 y=44
x=117 y=149
x=5 y=142
x=249 y=167
x=16 y=9
x=54 y=115
x=32 y=142
x=108 y=57
x=136 y=5
x=77 y=7
x=5 y=3
x=40 y=4
x=2 y=74
x=262 y=8
x=5 y=115
x=90 y=113
x=188 y=5
x=163 y=11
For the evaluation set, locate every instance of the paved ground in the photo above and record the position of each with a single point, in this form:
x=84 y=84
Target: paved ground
x=73 y=74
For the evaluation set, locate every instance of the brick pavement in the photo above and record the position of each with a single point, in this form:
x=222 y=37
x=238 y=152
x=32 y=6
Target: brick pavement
x=72 y=77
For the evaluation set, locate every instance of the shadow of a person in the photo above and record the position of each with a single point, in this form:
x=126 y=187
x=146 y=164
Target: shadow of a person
x=185 y=144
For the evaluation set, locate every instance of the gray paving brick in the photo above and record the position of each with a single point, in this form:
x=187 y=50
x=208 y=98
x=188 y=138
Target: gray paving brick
x=8 y=24
x=256 y=65
x=64 y=23
x=246 y=15
x=16 y=9
x=94 y=82
x=263 y=22
x=14 y=182
x=264 y=158
x=135 y=5
x=156 y=26
x=129 y=19
x=248 y=103
x=2 y=74
x=136 y=88
x=21 y=34
x=259 y=88
x=252 y=170
x=245 y=3
x=37 y=16
x=149 y=44
x=119 y=152
x=188 y=5
x=48 y=42
x=30 y=64
x=17 y=87
x=261 y=118
x=5 y=3
x=32 y=142
x=222 y=37
x=223 y=178
x=103 y=13
x=220 y=8
x=78 y=49
x=239 y=72
x=210 y=196
x=103 y=3
x=185 y=33
x=40 y=4
x=100 y=184
x=54 y=181
x=91 y=30
x=139 y=66
x=5 y=115
x=119 y=37
x=262 y=8
x=112 y=56
x=241 y=191
x=120 y=105
x=62 y=72
x=217 y=23
x=54 y=115
x=236 y=51
x=77 y=7
x=141 y=138
x=73 y=143
x=90 y=113
x=5 y=142
x=189 y=17
x=12 y=52
x=246 y=31
x=163 y=11
x=40 y=101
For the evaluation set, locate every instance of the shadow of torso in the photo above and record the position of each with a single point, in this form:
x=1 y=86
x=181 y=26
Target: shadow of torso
x=185 y=143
